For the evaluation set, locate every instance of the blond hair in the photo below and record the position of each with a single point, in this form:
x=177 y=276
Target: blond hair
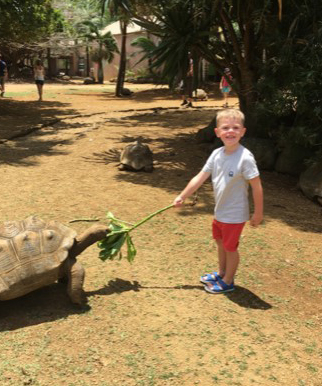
x=230 y=113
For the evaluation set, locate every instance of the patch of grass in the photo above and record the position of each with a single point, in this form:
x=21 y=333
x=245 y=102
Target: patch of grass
x=311 y=348
x=169 y=375
x=11 y=94
x=312 y=368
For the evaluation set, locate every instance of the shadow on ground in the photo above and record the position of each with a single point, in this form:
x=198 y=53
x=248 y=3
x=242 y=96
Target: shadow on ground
x=27 y=113
x=42 y=306
x=241 y=296
x=27 y=120
x=145 y=96
x=179 y=158
x=159 y=92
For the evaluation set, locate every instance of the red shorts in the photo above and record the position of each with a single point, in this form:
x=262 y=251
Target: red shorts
x=228 y=233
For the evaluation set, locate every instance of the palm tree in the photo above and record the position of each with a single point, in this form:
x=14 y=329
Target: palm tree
x=121 y=9
x=147 y=47
x=181 y=27
x=106 y=48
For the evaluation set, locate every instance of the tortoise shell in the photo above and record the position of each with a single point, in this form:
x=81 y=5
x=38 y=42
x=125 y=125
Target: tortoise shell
x=137 y=156
x=31 y=254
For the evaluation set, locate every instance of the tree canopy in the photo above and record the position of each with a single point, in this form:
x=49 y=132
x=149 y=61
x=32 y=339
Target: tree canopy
x=273 y=52
x=27 y=21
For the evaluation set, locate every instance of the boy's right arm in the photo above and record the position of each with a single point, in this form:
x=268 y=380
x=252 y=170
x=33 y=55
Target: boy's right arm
x=192 y=186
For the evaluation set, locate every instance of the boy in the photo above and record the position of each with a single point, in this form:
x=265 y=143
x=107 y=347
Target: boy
x=232 y=168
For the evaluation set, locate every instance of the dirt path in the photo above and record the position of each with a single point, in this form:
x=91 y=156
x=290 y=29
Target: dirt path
x=151 y=323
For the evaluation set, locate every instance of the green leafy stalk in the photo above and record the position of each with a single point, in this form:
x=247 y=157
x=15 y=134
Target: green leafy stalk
x=110 y=246
x=150 y=216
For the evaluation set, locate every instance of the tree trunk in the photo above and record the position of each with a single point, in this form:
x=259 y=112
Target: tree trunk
x=248 y=97
x=122 y=67
x=243 y=62
x=87 y=61
x=100 y=74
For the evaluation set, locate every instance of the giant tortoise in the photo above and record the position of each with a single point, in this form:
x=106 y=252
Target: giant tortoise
x=35 y=253
x=137 y=156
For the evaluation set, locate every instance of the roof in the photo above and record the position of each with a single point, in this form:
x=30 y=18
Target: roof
x=114 y=28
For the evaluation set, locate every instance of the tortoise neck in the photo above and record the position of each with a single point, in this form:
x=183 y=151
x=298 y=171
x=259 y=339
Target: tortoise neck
x=92 y=235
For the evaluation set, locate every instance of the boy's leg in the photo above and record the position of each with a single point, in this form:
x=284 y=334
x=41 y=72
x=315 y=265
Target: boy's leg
x=217 y=236
x=222 y=258
x=227 y=239
x=232 y=262
x=231 y=235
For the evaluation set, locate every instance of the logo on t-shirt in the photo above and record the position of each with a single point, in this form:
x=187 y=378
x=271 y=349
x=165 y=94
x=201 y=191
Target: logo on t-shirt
x=231 y=173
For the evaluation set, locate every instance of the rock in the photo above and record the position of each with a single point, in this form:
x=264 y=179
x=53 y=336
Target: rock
x=264 y=151
x=89 y=80
x=126 y=92
x=207 y=134
x=310 y=182
x=291 y=159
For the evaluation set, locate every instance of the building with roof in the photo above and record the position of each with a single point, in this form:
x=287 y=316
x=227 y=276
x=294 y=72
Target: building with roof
x=132 y=53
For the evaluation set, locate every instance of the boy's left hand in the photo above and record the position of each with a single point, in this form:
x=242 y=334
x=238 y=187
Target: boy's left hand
x=255 y=220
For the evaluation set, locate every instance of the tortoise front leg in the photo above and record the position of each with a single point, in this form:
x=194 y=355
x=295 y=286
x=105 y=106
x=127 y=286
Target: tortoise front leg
x=76 y=275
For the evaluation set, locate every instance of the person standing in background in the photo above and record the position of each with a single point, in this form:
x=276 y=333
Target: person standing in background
x=224 y=85
x=3 y=75
x=188 y=84
x=39 y=74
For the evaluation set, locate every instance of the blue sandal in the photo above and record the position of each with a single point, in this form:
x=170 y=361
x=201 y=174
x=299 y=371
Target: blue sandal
x=209 y=277
x=219 y=286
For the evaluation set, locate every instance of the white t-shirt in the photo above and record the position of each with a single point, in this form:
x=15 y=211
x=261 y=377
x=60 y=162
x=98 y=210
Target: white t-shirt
x=39 y=73
x=230 y=174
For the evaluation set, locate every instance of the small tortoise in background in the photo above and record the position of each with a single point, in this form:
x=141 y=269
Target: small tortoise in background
x=34 y=254
x=200 y=94
x=137 y=156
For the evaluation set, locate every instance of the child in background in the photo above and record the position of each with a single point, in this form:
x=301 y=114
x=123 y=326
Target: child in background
x=224 y=85
x=232 y=169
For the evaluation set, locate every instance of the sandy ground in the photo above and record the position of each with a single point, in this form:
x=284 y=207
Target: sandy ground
x=151 y=323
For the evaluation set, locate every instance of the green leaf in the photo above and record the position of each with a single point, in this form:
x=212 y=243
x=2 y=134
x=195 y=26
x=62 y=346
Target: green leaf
x=110 y=239
x=110 y=216
x=131 y=251
x=111 y=246
x=119 y=233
